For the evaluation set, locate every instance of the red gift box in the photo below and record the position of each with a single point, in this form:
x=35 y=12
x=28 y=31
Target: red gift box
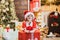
x=25 y=36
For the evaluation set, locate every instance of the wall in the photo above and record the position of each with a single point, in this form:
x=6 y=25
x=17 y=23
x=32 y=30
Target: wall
x=20 y=6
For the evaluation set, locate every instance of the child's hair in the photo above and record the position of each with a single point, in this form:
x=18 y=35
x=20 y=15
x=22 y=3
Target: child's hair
x=26 y=13
x=27 y=20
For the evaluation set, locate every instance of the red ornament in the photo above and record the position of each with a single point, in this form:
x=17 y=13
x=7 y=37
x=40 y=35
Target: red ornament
x=26 y=11
x=55 y=23
x=56 y=17
x=51 y=16
x=7 y=28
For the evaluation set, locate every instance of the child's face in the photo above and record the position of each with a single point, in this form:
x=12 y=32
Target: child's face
x=30 y=17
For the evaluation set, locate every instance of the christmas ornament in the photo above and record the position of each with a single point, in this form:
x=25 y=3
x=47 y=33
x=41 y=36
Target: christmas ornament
x=8 y=27
x=7 y=9
x=6 y=3
x=2 y=1
x=4 y=10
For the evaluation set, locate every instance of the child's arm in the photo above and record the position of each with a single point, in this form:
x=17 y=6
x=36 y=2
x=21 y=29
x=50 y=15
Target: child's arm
x=24 y=27
x=34 y=29
x=26 y=30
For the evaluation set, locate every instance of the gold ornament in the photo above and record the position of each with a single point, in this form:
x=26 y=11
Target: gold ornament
x=4 y=10
x=6 y=3
x=7 y=9
x=3 y=1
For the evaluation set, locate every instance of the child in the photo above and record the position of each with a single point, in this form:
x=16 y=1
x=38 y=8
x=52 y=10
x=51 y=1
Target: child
x=30 y=28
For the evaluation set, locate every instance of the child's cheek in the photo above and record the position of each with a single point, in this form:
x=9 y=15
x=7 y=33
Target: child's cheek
x=30 y=18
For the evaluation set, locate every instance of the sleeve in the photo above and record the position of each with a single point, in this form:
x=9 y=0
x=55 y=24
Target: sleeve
x=23 y=25
x=35 y=25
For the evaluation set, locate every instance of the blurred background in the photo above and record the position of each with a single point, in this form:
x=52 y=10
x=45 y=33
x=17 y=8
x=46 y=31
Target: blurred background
x=12 y=14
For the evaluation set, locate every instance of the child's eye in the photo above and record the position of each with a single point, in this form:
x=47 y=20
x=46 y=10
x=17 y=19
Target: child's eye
x=28 y=15
x=31 y=15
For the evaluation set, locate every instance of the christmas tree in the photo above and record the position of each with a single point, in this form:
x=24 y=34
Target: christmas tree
x=7 y=11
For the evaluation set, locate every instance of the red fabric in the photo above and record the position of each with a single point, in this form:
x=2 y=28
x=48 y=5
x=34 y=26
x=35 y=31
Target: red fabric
x=29 y=28
x=37 y=34
x=25 y=36
x=55 y=23
x=24 y=24
x=21 y=35
x=33 y=4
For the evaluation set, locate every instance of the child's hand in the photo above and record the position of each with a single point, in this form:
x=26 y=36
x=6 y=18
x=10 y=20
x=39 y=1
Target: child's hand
x=32 y=31
x=27 y=31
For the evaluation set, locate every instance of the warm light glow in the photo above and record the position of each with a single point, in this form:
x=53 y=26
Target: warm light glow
x=49 y=1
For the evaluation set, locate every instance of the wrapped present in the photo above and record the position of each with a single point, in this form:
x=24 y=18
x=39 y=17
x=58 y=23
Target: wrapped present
x=25 y=36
